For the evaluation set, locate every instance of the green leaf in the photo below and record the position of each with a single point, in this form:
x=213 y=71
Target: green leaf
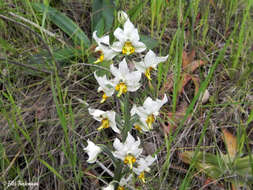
x=64 y=23
x=60 y=55
x=109 y=153
x=102 y=15
x=6 y=46
x=149 y=42
x=52 y=169
x=210 y=164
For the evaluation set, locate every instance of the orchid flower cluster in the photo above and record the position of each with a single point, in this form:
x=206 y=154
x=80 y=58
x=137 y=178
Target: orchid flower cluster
x=125 y=79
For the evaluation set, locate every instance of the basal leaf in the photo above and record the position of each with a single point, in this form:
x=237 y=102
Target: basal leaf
x=102 y=15
x=230 y=142
x=149 y=42
x=64 y=23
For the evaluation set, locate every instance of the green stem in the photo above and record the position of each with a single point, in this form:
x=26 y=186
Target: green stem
x=126 y=117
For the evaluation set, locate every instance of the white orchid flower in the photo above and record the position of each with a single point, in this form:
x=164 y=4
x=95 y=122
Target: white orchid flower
x=103 y=48
x=107 y=119
x=128 y=151
x=129 y=39
x=150 y=62
x=147 y=113
x=125 y=80
x=122 y=17
x=92 y=151
x=143 y=166
x=124 y=182
x=109 y=187
x=105 y=86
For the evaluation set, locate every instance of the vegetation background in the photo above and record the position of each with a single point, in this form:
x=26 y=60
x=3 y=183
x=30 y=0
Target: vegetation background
x=47 y=83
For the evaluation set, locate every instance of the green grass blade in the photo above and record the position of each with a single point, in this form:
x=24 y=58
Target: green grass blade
x=52 y=169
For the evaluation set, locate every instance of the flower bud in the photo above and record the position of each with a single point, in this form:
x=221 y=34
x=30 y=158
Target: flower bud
x=122 y=17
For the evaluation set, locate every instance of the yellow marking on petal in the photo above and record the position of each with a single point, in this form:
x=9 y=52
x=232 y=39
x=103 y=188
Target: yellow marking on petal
x=130 y=160
x=150 y=120
x=138 y=128
x=104 y=98
x=142 y=177
x=128 y=48
x=120 y=188
x=122 y=88
x=147 y=73
x=104 y=125
x=101 y=57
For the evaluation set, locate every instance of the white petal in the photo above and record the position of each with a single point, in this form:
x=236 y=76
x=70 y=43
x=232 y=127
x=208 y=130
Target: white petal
x=115 y=71
x=109 y=187
x=161 y=59
x=119 y=34
x=111 y=117
x=109 y=54
x=129 y=29
x=105 y=85
x=94 y=35
x=149 y=58
x=139 y=47
x=117 y=46
x=132 y=80
x=96 y=113
x=130 y=139
x=140 y=66
x=103 y=39
x=123 y=68
x=154 y=106
x=117 y=144
x=134 y=36
x=92 y=151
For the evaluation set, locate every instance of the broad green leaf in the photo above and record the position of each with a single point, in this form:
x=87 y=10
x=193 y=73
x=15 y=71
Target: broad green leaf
x=208 y=163
x=64 y=23
x=102 y=15
x=149 y=42
x=60 y=55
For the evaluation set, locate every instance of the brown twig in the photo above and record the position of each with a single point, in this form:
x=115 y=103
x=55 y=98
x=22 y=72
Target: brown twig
x=27 y=66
